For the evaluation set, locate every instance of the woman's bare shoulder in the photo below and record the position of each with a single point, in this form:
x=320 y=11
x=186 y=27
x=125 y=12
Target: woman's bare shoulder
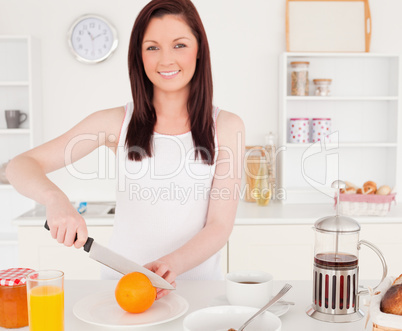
x=228 y=122
x=111 y=115
x=230 y=128
x=110 y=122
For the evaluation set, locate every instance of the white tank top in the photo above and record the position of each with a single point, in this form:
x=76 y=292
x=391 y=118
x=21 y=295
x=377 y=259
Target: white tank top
x=162 y=201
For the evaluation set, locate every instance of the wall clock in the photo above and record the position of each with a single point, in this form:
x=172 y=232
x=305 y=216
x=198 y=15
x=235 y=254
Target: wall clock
x=92 y=39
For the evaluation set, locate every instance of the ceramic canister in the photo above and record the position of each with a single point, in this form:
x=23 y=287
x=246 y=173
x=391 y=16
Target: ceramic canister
x=298 y=130
x=320 y=127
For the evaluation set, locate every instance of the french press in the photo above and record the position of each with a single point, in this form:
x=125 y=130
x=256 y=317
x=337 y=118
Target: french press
x=336 y=268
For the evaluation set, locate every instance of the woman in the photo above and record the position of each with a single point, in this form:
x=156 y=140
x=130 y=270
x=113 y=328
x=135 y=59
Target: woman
x=177 y=183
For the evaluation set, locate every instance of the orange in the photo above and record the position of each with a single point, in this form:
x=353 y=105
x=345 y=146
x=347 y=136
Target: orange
x=135 y=293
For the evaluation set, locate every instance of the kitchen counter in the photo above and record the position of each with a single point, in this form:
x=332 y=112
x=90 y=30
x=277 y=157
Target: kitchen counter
x=279 y=214
x=201 y=294
x=262 y=238
x=247 y=214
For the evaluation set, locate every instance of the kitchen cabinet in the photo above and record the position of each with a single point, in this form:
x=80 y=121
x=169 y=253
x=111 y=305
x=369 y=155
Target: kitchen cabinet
x=19 y=89
x=287 y=251
x=38 y=250
x=365 y=112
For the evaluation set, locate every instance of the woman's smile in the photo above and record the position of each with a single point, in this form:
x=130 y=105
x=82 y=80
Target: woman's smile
x=169 y=74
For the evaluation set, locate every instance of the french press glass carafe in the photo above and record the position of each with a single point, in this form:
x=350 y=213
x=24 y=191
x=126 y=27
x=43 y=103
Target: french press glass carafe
x=336 y=268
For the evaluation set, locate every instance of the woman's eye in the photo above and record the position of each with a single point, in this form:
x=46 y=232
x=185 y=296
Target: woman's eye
x=152 y=48
x=180 y=46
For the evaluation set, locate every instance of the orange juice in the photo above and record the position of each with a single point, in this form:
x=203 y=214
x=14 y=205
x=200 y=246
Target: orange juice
x=46 y=308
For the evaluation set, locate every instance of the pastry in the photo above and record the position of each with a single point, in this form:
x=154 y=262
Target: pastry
x=383 y=190
x=348 y=190
x=398 y=280
x=391 y=302
x=359 y=191
x=369 y=187
x=350 y=185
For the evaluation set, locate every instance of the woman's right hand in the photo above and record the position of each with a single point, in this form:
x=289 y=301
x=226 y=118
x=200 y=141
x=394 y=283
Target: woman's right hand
x=65 y=222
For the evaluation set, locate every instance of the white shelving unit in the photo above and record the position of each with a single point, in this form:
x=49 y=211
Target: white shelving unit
x=365 y=111
x=20 y=88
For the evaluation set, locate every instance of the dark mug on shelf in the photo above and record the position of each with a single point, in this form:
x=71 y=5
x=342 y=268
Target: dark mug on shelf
x=15 y=118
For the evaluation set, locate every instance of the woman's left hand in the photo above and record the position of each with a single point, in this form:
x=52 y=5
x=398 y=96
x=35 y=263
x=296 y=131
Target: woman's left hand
x=162 y=269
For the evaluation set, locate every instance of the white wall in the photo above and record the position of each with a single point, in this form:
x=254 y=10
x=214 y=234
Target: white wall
x=246 y=39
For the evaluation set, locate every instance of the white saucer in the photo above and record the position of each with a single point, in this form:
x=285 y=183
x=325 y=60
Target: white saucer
x=277 y=309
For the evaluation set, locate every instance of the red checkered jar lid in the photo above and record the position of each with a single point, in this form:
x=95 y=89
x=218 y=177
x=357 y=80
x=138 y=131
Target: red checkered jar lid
x=14 y=276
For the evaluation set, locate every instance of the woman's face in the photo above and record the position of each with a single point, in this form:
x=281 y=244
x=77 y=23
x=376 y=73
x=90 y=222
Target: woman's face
x=169 y=53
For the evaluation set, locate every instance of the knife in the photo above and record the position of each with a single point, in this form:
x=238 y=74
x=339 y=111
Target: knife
x=119 y=263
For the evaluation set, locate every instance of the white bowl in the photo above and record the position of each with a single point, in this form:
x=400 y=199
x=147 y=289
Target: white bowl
x=222 y=318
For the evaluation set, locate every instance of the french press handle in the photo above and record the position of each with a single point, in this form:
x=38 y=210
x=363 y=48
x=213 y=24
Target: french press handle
x=384 y=264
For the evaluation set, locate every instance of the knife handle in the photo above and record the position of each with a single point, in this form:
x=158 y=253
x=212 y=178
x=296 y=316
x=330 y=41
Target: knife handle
x=87 y=245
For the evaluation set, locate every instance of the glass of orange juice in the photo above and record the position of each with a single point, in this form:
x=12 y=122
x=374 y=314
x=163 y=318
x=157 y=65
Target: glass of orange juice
x=45 y=293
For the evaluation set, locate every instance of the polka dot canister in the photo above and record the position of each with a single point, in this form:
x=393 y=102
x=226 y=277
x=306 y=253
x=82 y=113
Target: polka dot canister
x=320 y=127
x=299 y=130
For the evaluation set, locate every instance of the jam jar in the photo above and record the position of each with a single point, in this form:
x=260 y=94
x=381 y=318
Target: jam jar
x=13 y=298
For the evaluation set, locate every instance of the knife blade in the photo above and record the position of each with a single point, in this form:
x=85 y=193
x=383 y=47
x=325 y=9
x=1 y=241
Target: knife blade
x=120 y=263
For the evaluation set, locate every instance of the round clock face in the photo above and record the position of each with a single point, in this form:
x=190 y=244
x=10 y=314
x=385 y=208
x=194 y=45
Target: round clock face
x=92 y=39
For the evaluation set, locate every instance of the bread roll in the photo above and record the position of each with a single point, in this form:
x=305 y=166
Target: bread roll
x=383 y=190
x=391 y=302
x=369 y=187
x=398 y=280
x=350 y=190
x=350 y=185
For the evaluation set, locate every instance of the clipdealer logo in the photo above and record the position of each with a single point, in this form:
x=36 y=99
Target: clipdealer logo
x=111 y=166
x=325 y=154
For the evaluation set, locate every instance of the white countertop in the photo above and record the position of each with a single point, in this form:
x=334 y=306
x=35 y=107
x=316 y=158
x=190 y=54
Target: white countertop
x=277 y=213
x=247 y=214
x=201 y=294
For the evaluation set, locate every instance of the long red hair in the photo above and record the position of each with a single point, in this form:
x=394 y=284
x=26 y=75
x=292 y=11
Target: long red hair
x=199 y=105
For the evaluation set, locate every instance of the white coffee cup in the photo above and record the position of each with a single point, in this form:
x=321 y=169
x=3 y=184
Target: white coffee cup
x=249 y=288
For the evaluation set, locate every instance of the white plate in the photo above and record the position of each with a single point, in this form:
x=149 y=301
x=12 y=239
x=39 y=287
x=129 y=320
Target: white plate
x=278 y=308
x=102 y=309
x=222 y=318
